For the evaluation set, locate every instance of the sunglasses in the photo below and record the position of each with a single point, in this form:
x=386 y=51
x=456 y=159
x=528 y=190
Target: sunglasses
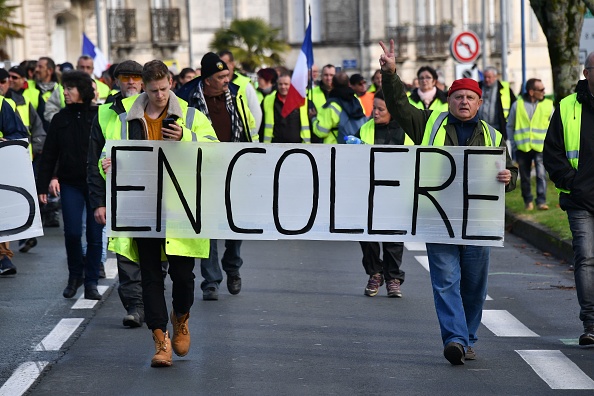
x=128 y=77
x=13 y=77
x=4 y=81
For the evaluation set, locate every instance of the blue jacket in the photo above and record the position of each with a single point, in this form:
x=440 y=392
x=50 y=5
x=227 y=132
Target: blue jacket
x=11 y=126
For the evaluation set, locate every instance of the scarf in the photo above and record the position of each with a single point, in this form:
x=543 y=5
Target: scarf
x=236 y=123
x=427 y=97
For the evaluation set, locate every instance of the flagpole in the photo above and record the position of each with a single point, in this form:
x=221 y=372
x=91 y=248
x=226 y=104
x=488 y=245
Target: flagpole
x=310 y=69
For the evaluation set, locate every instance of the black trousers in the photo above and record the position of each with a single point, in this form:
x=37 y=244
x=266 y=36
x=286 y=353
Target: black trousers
x=181 y=272
x=392 y=260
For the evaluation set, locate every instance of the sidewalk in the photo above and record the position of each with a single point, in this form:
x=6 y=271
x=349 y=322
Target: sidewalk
x=539 y=236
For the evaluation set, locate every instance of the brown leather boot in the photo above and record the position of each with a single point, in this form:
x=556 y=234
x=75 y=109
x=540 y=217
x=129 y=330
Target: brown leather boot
x=163 y=355
x=181 y=334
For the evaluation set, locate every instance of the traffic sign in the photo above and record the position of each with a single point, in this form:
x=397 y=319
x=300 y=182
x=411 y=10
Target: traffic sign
x=465 y=47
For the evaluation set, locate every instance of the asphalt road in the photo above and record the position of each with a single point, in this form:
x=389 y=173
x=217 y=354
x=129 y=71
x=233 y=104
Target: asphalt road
x=300 y=326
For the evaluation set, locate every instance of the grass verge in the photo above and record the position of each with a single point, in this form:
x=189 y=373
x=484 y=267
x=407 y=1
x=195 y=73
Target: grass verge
x=553 y=219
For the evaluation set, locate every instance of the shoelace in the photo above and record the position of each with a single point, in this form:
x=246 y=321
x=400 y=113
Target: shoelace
x=393 y=285
x=374 y=283
x=181 y=328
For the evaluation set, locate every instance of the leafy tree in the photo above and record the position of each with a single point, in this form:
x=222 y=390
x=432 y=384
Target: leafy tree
x=253 y=43
x=7 y=27
x=561 y=22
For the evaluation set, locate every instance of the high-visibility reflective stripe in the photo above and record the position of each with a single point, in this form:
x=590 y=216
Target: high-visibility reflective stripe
x=267 y=139
x=436 y=127
x=306 y=140
x=190 y=112
x=267 y=125
x=124 y=128
x=305 y=127
x=572 y=154
x=210 y=137
x=335 y=110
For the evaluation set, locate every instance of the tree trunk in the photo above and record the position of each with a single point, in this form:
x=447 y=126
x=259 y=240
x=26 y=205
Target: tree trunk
x=561 y=22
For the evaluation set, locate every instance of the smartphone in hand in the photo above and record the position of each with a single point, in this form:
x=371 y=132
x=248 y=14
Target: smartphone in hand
x=166 y=123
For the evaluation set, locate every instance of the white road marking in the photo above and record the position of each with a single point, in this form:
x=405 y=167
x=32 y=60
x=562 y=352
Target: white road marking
x=424 y=261
x=503 y=324
x=420 y=246
x=111 y=268
x=22 y=378
x=59 y=334
x=556 y=369
x=83 y=303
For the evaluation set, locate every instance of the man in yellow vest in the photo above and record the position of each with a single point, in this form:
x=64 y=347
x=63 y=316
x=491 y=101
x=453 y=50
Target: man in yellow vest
x=245 y=87
x=453 y=267
x=497 y=100
x=294 y=128
x=144 y=121
x=568 y=153
x=527 y=126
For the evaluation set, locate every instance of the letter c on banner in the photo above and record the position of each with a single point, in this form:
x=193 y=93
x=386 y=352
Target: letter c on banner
x=30 y=217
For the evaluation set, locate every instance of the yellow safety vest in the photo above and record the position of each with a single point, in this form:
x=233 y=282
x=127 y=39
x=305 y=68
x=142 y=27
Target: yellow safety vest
x=268 y=108
x=437 y=105
x=435 y=132
x=318 y=98
x=505 y=94
x=529 y=134
x=367 y=134
x=571 y=119
x=117 y=130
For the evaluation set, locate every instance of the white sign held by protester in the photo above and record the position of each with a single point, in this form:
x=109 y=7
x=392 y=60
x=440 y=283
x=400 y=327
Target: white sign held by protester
x=316 y=192
x=19 y=208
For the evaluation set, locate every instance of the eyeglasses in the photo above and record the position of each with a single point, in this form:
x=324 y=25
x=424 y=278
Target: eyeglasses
x=13 y=77
x=425 y=78
x=128 y=77
x=539 y=90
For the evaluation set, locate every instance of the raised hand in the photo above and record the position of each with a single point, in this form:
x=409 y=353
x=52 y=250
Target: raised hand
x=388 y=58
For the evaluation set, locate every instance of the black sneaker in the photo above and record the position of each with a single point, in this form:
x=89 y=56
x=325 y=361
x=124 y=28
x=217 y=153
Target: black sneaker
x=28 y=245
x=454 y=352
x=234 y=284
x=7 y=267
x=210 y=294
x=587 y=338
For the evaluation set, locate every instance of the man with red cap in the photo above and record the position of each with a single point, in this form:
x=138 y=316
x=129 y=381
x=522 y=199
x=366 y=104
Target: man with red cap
x=458 y=272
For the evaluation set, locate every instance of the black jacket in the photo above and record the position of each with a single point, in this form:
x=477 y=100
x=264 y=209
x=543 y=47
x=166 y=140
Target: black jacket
x=390 y=133
x=66 y=144
x=579 y=181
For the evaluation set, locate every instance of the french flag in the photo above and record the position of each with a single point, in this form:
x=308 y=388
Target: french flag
x=99 y=61
x=297 y=90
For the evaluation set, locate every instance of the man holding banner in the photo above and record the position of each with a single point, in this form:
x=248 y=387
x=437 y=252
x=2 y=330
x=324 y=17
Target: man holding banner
x=458 y=272
x=158 y=114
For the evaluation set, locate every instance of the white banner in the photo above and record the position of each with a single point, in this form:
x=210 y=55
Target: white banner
x=19 y=209
x=296 y=191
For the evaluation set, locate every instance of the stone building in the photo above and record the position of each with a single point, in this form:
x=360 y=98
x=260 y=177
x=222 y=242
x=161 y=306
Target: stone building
x=345 y=32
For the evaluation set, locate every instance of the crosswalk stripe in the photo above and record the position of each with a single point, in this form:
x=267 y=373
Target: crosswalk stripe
x=415 y=246
x=556 y=369
x=22 y=378
x=111 y=268
x=503 y=324
x=82 y=303
x=59 y=334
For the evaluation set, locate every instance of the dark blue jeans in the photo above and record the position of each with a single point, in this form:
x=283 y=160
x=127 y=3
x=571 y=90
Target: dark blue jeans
x=74 y=201
x=459 y=280
x=231 y=262
x=581 y=223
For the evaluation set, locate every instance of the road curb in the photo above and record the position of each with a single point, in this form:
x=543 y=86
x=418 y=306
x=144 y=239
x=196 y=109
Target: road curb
x=539 y=236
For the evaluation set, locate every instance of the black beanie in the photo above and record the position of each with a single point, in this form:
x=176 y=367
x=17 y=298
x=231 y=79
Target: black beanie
x=211 y=64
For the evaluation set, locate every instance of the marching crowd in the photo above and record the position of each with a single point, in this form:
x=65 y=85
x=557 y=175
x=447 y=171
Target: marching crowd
x=68 y=115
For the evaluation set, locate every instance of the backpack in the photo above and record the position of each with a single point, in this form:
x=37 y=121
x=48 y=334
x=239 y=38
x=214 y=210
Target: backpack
x=348 y=126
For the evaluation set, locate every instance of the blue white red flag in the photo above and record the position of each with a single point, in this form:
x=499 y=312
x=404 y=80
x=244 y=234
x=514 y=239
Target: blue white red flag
x=298 y=89
x=99 y=61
